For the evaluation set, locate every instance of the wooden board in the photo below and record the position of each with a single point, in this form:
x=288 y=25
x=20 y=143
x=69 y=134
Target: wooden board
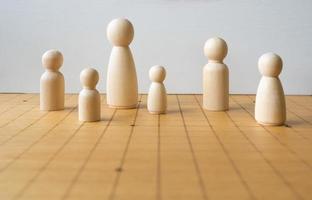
x=188 y=153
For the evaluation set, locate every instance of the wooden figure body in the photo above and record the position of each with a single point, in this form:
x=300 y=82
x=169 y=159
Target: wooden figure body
x=215 y=76
x=89 y=98
x=52 y=82
x=157 y=96
x=270 y=108
x=122 y=86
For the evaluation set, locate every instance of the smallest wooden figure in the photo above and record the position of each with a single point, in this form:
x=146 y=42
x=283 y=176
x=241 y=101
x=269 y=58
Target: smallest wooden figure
x=157 y=97
x=89 y=98
x=270 y=106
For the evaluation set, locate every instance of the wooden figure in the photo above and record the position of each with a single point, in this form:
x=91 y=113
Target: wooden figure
x=157 y=97
x=52 y=82
x=270 y=108
x=215 y=76
x=89 y=98
x=122 y=86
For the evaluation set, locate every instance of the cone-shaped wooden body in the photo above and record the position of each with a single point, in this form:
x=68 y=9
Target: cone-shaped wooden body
x=270 y=108
x=122 y=86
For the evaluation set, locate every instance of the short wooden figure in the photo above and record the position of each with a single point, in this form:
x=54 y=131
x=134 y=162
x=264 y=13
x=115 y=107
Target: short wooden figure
x=270 y=106
x=122 y=84
x=157 y=96
x=52 y=82
x=89 y=98
x=215 y=76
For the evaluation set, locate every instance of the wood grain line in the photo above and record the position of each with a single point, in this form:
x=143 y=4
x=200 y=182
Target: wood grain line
x=200 y=178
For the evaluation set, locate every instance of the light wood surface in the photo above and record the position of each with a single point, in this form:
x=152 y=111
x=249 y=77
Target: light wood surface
x=189 y=153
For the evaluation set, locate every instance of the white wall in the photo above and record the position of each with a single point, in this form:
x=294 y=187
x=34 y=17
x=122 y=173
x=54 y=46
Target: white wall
x=167 y=32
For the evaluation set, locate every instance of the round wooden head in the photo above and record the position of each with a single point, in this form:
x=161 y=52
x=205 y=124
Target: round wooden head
x=89 y=77
x=270 y=64
x=215 y=49
x=52 y=59
x=120 y=32
x=157 y=73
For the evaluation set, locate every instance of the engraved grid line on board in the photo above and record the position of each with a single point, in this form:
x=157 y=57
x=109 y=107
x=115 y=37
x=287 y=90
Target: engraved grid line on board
x=31 y=124
x=100 y=170
x=139 y=170
x=20 y=98
x=10 y=105
x=291 y=112
x=119 y=172
x=36 y=141
x=295 y=112
x=179 y=176
x=243 y=181
x=280 y=175
x=158 y=171
x=299 y=162
x=22 y=116
x=19 y=115
x=19 y=132
x=291 y=98
x=298 y=180
x=250 y=112
x=195 y=162
x=283 y=144
x=8 y=97
x=44 y=167
x=76 y=177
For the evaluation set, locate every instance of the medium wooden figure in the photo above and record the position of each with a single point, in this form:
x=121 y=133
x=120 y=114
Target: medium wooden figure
x=52 y=82
x=270 y=108
x=89 y=98
x=122 y=86
x=215 y=76
x=157 y=97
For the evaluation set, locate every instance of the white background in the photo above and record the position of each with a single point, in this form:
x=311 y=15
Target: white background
x=167 y=32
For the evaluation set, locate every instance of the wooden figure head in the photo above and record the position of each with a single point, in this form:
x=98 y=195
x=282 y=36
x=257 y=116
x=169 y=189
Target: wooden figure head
x=52 y=59
x=120 y=32
x=270 y=64
x=215 y=49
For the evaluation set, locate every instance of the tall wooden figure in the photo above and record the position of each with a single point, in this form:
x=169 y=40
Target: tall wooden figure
x=89 y=98
x=270 y=106
x=52 y=82
x=215 y=76
x=122 y=86
x=157 y=96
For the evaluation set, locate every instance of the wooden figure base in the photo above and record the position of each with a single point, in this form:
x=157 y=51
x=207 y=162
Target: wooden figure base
x=156 y=113
x=270 y=124
x=123 y=107
x=89 y=121
x=217 y=110
x=51 y=110
x=188 y=153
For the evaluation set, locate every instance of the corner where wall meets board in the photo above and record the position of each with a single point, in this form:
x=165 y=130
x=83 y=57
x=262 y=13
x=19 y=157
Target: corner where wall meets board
x=169 y=33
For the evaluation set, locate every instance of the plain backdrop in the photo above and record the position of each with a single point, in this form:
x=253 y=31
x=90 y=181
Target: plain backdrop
x=167 y=32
